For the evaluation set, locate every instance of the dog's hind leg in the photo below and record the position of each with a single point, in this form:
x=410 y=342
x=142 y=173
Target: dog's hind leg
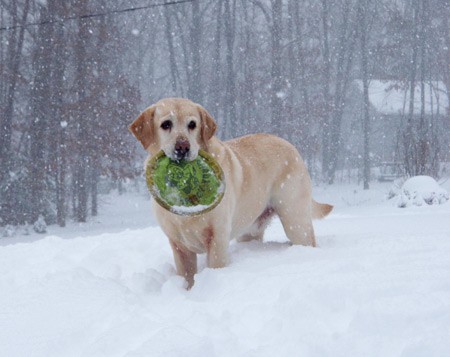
x=297 y=225
x=250 y=236
x=258 y=228
x=294 y=209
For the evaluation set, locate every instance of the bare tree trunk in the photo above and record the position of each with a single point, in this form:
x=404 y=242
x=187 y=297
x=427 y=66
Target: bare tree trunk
x=363 y=34
x=445 y=65
x=172 y=56
x=304 y=124
x=276 y=97
x=230 y=96
x=186 y=54
x=41 y=109
x=59 y=126
x=214 y=98
x=425 y=143
x=82 y=123
x=94 y=191
x=195 y=87
x=326 y=129
x=61 y=209
x=248 y=102
x=294 y=117
x=344 y=65
x=15 y=46
x=410 y=136
x=13 y=60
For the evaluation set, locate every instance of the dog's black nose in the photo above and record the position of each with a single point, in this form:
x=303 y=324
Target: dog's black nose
x=182 y=148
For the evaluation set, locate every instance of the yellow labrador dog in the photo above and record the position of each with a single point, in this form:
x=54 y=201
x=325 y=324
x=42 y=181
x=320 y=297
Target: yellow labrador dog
x=265 y=176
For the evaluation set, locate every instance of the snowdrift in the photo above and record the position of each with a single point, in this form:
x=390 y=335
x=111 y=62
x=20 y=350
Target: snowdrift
x=419 y=190
x=377 y=285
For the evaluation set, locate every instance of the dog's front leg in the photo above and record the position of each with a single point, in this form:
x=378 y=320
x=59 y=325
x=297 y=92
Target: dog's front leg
x=185 y=262
x=216 y=244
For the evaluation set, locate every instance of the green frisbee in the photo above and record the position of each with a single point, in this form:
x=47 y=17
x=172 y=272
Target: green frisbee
x=183 y=187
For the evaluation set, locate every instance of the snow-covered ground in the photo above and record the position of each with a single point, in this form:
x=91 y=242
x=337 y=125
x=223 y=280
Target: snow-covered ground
x=377 y=285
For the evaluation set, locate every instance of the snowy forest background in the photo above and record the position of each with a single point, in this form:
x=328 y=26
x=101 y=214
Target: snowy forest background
x=74 y=74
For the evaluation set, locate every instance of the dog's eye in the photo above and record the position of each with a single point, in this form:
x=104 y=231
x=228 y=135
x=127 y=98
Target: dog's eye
x=166 y=125
x=192 y=125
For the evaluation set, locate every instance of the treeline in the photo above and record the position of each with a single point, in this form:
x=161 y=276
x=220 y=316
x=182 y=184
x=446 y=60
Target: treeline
x=70 y=88
x=287 y=66
x=65 y=108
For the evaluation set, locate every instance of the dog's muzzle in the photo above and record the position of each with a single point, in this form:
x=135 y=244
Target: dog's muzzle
x=182 y=147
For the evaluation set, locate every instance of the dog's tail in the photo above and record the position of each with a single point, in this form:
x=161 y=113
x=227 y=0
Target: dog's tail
x=320 y=210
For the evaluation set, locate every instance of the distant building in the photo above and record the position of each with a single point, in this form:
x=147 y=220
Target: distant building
x=389 y=110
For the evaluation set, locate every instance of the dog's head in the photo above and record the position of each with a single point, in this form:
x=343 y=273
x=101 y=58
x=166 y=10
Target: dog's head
x=177 y=126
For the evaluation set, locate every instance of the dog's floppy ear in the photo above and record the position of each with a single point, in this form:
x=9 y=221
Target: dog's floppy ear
x=142 y=127
x=208 y=125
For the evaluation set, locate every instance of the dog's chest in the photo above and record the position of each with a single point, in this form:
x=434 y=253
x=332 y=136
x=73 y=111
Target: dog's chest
x=192 y=233
x=196 y=237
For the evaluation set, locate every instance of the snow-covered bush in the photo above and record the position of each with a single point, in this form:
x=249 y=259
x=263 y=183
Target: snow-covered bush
x=40 y=226
x=421 y=189
x=8 y=231
x=26 y=229
x=396 y=187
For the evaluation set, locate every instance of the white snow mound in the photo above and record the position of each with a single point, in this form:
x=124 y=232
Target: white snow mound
x=422 y=189
x=376 y=285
